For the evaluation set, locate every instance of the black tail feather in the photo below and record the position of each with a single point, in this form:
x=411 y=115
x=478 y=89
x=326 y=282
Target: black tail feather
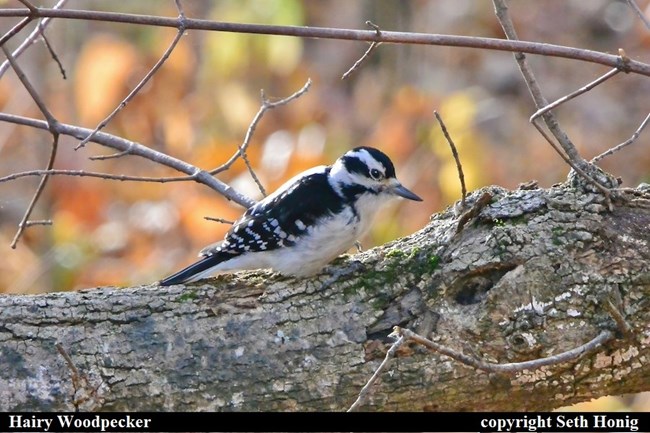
x=186 y=274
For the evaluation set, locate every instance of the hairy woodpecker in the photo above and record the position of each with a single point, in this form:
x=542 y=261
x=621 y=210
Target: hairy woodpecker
x=309 y=221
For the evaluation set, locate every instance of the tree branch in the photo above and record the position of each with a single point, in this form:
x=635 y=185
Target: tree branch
x=626 y=143
x=639 y=12
x=342 y=34
x=366 y=55
x=140 y=85
x=33 y=36
x=310 y=344
x=52 y=124
x=551 y=122
x=121 y=144
x=574 y=94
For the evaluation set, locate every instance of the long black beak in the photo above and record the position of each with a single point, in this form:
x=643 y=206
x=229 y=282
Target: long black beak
x=401 y=191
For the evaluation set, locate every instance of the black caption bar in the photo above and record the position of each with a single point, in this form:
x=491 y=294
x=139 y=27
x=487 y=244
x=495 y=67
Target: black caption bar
x=321 y=421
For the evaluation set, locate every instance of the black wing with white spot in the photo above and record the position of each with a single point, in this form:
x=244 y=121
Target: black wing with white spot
x=282 y=218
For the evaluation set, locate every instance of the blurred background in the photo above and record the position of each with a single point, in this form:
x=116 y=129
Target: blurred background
x=200 y=104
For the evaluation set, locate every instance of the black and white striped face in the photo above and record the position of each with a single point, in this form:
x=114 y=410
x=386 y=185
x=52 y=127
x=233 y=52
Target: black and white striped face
x=367 y=170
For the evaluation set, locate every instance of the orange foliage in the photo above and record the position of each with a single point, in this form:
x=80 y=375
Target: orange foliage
x=102 y=73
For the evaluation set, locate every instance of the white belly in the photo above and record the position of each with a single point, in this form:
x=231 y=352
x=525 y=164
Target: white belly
x=317 y=248
x=309 y=254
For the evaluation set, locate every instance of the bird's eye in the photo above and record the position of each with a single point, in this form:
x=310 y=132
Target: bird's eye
x=375 y=174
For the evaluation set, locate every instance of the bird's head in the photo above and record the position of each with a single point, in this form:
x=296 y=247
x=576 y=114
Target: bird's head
x=366 y=170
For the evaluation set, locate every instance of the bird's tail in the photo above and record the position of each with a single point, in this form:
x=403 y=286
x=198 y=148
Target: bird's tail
x=195 y=271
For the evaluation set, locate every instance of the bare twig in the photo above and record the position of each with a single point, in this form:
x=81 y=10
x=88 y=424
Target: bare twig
x=340 y=34
x=137 y=149
x=38 y=223
x=107 y=176
x=512 y=367
x=241 y=149
x=566 y=148
x=68 y=360
x=138 y=87
x=29 y=40
x=28 y=5
x=30 y=89
x=82 y=389
x=52 y=124
x=53 y=54
x=572 y=95
x=266 y=105
x=623 y=327
x=639 y=12
x=454 y=152
x=24 y=223
x=501 y=9
x=627 y=142
x=181 y=12
x=365 y=391
x=249 y=134
x=219 y=220
x=476 y=209
x=366 y=55
x=572 y=164
x=15 y=29
x=111 y=156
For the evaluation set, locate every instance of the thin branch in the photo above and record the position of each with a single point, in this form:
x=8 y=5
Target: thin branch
x=107 y=176
x=340 y=34
x=53 y=54
x=30 y=89
x=572 y=95
x=568 y=151
x=68 y=360
x=15 y=29
x=181 y=12
x=249 y=134
x=454 y=152
x=38 y=223
x=82 y=389
x=623 y=327
x=29 y=40
x=241 y=149
x=52 y=124
x=111 y=156
x=627 y=142
x=639 y=12
x=138 y=87
x=29 y=6
x=365 y=391
x=219 y=220
x=365 y=55
x=24 y=223
x=475 y=210
x=571 y=163
x=137 y=149
x=512 y=367
x=501 y=10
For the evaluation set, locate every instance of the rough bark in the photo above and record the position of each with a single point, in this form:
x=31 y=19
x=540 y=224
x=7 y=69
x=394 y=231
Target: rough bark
x=528 y=277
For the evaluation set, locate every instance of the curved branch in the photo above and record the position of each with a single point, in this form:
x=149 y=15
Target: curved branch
x=33 y=36
x=509 y=367
x=136 y=149
x=342 y=34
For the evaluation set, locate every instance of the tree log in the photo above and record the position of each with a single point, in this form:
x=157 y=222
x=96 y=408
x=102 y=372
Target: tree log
x=531 y=274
